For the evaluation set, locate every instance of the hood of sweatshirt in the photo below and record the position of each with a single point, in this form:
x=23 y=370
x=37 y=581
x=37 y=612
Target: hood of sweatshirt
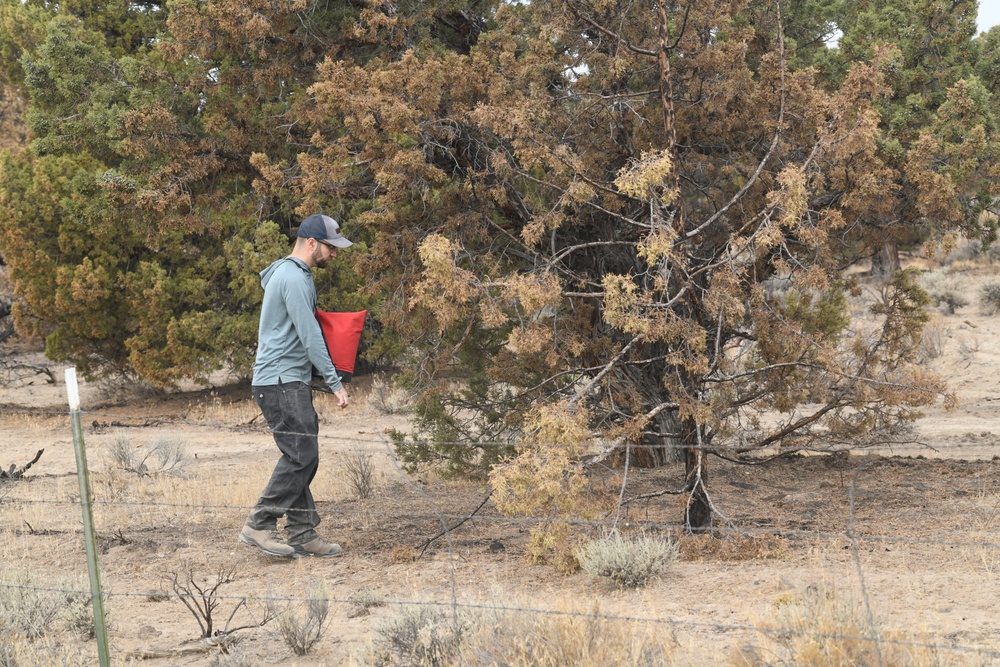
x=265 y=275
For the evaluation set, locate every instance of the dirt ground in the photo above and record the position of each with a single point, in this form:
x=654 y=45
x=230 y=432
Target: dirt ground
x=912 y=536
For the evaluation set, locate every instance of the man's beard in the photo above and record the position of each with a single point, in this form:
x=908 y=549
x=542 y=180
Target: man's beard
x=318 y=258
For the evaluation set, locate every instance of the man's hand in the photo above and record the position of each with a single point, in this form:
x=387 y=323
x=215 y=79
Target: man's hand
x=341 y=395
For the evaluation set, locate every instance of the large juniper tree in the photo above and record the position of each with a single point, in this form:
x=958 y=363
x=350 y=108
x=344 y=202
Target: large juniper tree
x=583 y=217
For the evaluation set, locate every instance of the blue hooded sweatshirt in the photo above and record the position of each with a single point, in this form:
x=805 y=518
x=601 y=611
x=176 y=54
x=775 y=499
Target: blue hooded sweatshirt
x=289 y=341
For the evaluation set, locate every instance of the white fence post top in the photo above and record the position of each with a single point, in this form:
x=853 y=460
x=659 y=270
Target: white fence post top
x=72 y=389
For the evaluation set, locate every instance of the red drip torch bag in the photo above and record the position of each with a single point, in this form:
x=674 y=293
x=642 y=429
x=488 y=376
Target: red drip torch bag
x=342 y=333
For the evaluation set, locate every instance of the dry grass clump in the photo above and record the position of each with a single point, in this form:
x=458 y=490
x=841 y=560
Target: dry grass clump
x=822 y=628
x=507 y=637
x=566 y=638
x=363 y=601
x=53 y=653
x=235 y=656
x=933 y=338
x=627 y=562
x=232 y=413
x=732 y=547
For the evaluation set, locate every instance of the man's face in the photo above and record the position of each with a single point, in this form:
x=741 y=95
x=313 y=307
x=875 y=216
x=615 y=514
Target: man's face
x=322 y=254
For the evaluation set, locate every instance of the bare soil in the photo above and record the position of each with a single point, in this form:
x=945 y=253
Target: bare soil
x=912 y=533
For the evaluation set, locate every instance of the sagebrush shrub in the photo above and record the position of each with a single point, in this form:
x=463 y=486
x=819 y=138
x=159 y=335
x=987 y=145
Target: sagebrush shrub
x=165 y=456
x=628 y=562
x=387 y=399
x=989 y=298
x=944 y=290
x=33 y=611
x=419 y=636
x=302 y=628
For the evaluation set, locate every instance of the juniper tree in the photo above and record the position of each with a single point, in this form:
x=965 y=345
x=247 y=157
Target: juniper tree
x=579 y=219
x=131 y=228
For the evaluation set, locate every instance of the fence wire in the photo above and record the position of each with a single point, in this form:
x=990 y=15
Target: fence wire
x=454 y=605
x=105 y=422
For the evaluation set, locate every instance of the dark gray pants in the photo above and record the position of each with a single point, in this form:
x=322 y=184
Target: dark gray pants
x=290 y=415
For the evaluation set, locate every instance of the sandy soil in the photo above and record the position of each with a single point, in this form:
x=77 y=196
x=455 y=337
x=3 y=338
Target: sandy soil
x=914 y=533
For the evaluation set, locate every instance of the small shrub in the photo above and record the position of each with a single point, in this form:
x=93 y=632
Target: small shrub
x=34 y=611
x=203 y=599
x=944 y=290
x=387 y=399
x=418 y=637
x=552 y=543
x=360 y=473
x=363 y=601
x=77 y=615
x=26 y=611
x=402 y=554
x=165 y=456
x=968 y=348
x=302 y=629
x=989 y=298
x=629 y=563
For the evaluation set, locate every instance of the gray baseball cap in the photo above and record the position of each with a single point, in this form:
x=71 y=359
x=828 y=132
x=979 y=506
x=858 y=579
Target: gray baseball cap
x=325 y=229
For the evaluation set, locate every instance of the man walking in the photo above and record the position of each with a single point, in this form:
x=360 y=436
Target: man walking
x=290 y=345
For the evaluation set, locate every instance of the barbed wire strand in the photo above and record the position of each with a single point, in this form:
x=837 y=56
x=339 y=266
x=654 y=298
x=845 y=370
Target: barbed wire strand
x=151 y=421
x=698 y=625
x=593 y=523
x=851 y=535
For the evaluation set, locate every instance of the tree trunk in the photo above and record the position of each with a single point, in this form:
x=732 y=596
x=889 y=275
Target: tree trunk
x=886 y=261
x=662 y=447
x=698 y=510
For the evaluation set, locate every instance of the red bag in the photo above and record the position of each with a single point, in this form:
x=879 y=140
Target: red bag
x=342 y=333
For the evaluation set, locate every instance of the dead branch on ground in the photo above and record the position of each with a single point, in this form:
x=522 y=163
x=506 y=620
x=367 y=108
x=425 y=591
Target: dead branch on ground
x=18 y=473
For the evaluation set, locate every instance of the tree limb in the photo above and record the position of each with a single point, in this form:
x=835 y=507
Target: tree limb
x=449 y=529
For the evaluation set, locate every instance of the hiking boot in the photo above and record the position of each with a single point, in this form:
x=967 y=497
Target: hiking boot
x=263 y=540
x=317 y=547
